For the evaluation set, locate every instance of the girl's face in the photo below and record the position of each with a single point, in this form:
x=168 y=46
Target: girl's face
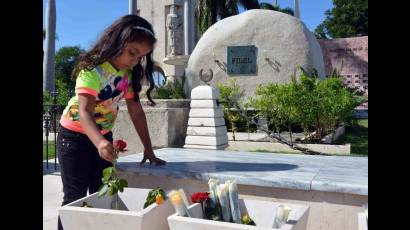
x=131 y=56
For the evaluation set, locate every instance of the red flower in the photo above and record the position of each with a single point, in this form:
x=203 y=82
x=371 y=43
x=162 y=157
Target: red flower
x=199 y=197
x=120 y=145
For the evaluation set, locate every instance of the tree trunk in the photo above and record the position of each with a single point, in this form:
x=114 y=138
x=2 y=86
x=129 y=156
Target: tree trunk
x=233 y=130
x=49 y=55
x=290 y=134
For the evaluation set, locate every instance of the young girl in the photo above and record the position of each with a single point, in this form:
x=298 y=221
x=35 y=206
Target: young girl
x=113 y=69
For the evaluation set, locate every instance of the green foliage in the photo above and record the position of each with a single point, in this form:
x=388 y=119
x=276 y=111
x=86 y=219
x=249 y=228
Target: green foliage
x=347 y=18
x=111 y=183
x=47 y=98
x=66 y=59
x=245 y=219
x=230 y=93
x=357 y=135
x=173 y=90
x=151 y=198
x=309 y=102
x=267 y=6
x=208 y=12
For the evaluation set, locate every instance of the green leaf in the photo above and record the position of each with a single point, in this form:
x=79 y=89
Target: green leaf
x=113 y=189
x=107 y=172
x=123 y=183
x=103 y=190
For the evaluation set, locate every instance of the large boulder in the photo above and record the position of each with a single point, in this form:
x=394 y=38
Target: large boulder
x=282 y=41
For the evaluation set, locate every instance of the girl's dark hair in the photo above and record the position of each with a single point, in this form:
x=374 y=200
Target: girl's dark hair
x=112 y=43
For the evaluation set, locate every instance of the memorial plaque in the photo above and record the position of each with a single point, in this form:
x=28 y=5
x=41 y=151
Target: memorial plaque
x=241 y=60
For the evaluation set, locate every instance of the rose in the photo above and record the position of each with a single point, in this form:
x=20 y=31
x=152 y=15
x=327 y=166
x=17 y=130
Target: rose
x=199 y=197
x=210 y=212
x=120 y=145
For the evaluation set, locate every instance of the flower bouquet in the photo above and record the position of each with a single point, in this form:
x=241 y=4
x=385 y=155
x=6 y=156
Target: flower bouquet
x=221 y=203
x=221 y=208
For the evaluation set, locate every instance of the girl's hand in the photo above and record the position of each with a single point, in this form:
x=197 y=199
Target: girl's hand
x=106 y=150
x=149 y=155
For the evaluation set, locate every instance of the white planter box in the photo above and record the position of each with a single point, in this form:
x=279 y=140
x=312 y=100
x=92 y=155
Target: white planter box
x=130 y=216
x=262 y=213
x=362 y=220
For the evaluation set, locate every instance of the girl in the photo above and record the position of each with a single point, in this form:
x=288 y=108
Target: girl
x=113 y=69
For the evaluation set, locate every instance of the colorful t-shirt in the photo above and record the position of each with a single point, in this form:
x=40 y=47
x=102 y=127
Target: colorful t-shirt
x=108 y=86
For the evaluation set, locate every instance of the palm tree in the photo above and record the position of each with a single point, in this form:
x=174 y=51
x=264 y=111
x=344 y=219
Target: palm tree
x=276 y=7
x=208 y=12
x=48 y=61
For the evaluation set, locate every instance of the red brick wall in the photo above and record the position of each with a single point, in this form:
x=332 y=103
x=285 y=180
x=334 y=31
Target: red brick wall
x=349 y=56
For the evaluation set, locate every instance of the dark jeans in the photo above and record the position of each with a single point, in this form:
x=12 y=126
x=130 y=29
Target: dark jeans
x=80 y=164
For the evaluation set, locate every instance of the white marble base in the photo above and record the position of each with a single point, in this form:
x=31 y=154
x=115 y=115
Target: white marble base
x=206 y=113
x=203 y=140
x=204 y=104
x=206 y=131
x=209 y=121
x=131 y=215
x=362 y=221
x=262 y=212
x=204 y=92
x=214 y=147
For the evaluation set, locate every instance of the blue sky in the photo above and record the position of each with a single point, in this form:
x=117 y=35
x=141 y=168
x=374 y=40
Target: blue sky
x=79 y=22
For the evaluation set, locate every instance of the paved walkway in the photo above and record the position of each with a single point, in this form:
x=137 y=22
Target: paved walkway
x=52 y=196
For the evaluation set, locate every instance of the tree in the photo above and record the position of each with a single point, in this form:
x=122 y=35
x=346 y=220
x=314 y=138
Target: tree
x=49 y=62
x=276 y=7
x=231 y=92
x=208 y=12
x=66 y=59
x=347 y=18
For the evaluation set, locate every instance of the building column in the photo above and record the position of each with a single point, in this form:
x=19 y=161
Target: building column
x=187 y=20
x=132 y=7
x=296 y=9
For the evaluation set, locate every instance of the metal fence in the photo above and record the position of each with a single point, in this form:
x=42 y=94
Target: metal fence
x=51 y=115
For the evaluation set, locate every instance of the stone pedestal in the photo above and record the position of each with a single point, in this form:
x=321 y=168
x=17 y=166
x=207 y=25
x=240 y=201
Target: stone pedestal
x=206 y=124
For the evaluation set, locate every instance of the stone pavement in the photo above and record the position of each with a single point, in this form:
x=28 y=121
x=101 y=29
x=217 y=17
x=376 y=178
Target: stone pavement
x=52 y=196
x=340 y=174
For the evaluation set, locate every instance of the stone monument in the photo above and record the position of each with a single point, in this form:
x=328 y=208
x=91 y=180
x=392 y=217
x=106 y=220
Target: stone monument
x=255 y=47
x=206 y=123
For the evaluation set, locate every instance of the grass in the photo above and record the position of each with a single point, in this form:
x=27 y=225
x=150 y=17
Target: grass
x=357 y=135
x=51 y=150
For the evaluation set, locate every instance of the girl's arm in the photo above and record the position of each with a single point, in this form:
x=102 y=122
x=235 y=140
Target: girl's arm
x=86 y=109
x=139 y=120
